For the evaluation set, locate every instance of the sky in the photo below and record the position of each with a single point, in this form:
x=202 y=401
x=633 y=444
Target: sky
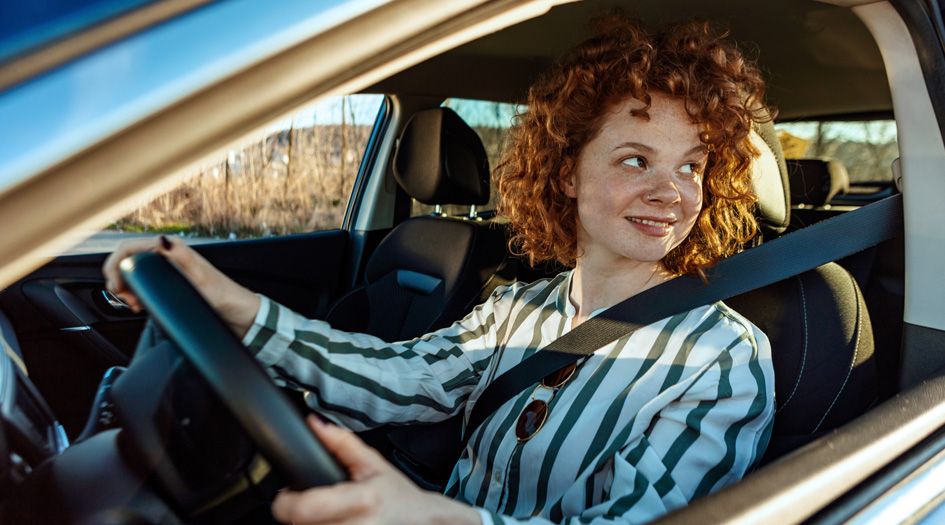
x=364 y=108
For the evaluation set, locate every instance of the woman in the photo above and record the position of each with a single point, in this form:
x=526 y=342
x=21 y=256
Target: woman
x=630 y=165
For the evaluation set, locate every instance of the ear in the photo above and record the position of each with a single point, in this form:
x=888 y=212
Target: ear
x=566 y=181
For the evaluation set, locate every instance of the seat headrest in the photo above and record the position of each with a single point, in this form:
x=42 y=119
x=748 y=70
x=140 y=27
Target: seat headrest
x=441 y=160
x=769 y=176
x=816 y=181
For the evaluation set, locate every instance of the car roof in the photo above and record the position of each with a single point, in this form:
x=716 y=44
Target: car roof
x=819 y=59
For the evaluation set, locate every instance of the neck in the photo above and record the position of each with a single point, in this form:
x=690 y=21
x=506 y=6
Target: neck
x=593 y=289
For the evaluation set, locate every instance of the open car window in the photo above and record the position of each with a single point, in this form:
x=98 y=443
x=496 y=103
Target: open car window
x=294 y=176
x=866 y=148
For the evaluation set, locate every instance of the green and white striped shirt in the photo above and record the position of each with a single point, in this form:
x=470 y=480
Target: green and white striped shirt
x=671 y=412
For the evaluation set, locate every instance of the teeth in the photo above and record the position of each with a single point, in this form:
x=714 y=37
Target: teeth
x=650 y=223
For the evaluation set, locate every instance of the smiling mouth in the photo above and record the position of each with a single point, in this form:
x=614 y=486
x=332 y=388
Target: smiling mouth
x=658 y=224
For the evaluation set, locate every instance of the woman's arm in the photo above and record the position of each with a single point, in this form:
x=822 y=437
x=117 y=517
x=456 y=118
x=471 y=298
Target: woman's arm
x=364 y=381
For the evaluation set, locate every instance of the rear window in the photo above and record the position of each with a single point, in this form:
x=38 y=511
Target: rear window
x=866 y=148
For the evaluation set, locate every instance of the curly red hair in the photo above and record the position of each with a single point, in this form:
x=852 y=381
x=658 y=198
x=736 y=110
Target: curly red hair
x=721 y=91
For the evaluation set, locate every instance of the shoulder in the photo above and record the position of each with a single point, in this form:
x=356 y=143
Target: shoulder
x=729 y=357
x=736 y=337
x=528 y=291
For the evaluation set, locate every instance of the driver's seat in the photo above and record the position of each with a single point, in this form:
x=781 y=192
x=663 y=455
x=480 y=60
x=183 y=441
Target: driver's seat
x=432 y=270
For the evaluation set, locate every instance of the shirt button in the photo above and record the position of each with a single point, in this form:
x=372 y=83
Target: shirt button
x=497 y=476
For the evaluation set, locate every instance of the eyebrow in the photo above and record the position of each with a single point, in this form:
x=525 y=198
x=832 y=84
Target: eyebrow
x=700 y=149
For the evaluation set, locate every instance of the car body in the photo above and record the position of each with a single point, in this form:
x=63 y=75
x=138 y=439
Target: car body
x=97 y=109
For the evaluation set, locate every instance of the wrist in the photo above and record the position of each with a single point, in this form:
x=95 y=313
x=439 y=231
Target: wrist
x=451 y=512
x=239 y=308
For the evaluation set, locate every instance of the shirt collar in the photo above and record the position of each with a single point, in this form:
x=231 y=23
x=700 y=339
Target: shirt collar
x=563 y=301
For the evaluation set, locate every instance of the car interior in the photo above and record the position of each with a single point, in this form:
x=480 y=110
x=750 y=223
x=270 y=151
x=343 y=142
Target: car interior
x=837 y=331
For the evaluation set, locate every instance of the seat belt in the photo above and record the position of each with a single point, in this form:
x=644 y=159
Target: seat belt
x=773 y=261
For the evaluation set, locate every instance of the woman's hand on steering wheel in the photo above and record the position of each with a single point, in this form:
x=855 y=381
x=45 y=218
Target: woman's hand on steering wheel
x=236 y=304
x=376 y=493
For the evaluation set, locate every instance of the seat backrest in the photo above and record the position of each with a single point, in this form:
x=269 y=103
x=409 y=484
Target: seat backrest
x=822 y=346
x=814 y=183
x=820 y=332
x=879 y=271
x=430 y=271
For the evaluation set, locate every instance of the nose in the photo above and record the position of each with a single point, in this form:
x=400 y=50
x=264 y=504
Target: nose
x=663 y=189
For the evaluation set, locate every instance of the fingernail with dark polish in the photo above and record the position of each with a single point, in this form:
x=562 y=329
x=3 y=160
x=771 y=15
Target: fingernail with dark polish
x=166 y=243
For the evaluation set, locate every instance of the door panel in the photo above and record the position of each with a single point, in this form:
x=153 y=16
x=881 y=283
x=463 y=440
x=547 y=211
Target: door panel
x=70 y=334
x=301 y=271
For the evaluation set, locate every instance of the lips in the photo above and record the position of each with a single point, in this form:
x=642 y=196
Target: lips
x=655 y=226
x=651 y=222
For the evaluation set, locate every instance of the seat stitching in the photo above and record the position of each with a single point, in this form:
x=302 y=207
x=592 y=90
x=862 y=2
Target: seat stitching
x=800 y=373
x=856 y=350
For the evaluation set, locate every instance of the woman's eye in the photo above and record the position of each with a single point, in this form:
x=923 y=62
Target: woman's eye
x=636 y=162
x=692 y=168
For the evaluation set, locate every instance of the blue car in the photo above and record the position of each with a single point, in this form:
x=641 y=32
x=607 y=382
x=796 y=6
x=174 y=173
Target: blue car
x=267 y=135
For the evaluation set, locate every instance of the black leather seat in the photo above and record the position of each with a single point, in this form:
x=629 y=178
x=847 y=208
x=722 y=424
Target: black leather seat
x=430 y=271
x=819 y=328
x=816 y=181
x=879 y=271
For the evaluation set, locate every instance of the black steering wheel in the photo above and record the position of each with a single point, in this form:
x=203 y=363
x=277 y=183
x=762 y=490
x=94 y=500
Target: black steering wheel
x=270 y=420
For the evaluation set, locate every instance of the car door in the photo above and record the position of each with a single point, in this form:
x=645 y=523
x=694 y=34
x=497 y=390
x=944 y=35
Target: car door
x=72 y=330
x=107 y=105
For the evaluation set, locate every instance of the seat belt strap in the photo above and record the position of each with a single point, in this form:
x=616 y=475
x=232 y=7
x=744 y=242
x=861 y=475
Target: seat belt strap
x=773 y=261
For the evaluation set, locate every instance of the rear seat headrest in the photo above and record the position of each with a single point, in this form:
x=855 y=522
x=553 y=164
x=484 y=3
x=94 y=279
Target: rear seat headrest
x=441 y=160
x=770 y=181
x=816 y=181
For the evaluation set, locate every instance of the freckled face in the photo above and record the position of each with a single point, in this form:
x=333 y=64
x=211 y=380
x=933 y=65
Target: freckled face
x=638 y=183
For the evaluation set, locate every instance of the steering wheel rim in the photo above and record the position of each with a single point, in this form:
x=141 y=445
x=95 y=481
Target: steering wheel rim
x=240 y=382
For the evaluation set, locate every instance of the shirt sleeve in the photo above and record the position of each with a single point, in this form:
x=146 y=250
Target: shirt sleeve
x=710 y=436
x=362 y=381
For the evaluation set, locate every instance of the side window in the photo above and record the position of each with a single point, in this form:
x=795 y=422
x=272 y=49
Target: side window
x=294 y=176
x=491 y=121
x=865 y=148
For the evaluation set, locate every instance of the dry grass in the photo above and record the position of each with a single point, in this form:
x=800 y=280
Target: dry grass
x=291 y=181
